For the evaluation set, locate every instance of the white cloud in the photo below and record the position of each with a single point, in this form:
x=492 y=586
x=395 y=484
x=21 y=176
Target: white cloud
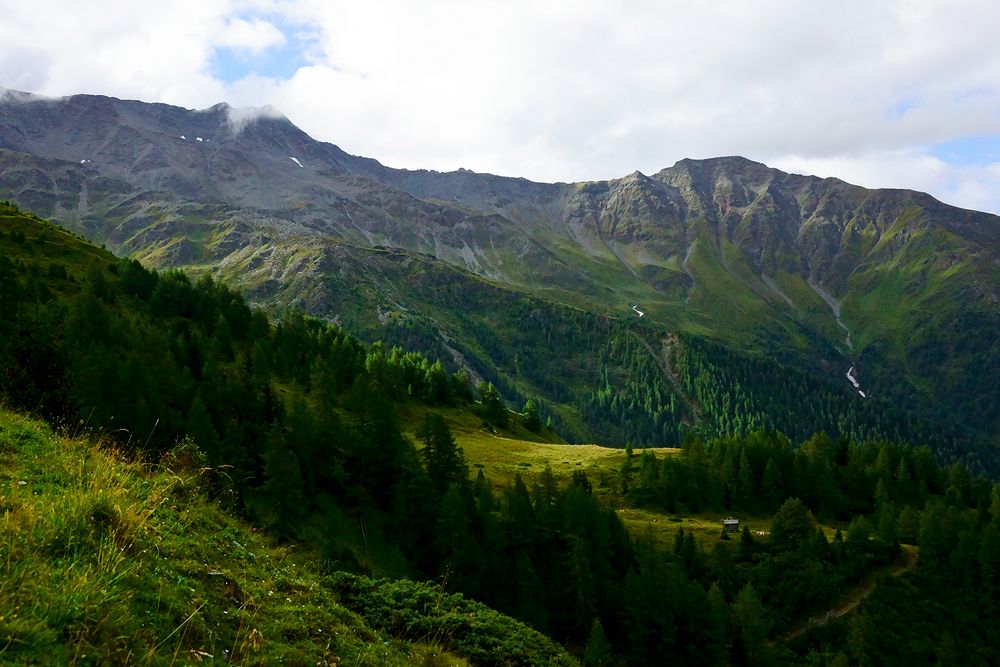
x=971 y=187
x=254 y=35
x=240 y=117
x=562 y=90
x=595 y=89
x=152 y=51
x=968 y=186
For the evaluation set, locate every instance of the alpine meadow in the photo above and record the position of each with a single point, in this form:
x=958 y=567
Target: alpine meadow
x=266 y=402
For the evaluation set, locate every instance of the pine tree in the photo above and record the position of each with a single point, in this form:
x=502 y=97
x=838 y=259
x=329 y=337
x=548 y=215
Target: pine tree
x=443 y=459
x=530 y=607
x=792 y=523
x=598 y=652
x=461 y=556
x=581 y=585
x=494 y=410
x=10 y=291
x=887 y=528
x=282 y=503
x=908 y=526
x=625 y=472
x=862 y=637
x=495 y=587
x=747 y=544
x=199 y=427
x=97 y=284
x=717 y=624
x=378 y=448
x=772 y=484
x=438 y=384
x=415 y=509
x=947 y=651
x=744 y=482
x=752 y=627
x=532 y=419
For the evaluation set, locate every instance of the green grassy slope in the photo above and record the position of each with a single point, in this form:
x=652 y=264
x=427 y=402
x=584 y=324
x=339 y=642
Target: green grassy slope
x=107 y=559
x=723 y=248
x=116 y=560
x=602 y=379
x=576 y=361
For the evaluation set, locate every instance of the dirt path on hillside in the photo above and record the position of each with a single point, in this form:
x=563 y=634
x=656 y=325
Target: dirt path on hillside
x=905 y=563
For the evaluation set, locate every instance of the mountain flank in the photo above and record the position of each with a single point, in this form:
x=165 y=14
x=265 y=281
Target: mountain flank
x=373 y=470
x=812 y=273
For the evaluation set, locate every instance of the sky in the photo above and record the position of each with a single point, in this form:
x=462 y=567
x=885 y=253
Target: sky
x=883 y=94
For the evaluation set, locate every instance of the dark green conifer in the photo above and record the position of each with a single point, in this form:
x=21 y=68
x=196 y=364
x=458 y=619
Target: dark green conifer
x=443 y=459
x=598 y=652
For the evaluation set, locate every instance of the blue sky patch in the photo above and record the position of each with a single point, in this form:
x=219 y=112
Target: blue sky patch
x=901 y=108
x=978 y=150
x=230 y=64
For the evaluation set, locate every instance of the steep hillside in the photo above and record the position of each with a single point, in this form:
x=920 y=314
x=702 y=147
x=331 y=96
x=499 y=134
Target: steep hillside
x=815 y=273
x=597 y=378
x=116 y=561
x=363 y=456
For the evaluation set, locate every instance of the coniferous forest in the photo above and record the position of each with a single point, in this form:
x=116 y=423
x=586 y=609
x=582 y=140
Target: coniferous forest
x=877 y=549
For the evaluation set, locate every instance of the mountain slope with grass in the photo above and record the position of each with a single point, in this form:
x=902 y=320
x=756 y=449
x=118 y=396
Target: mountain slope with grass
x=814 y=274
x=371 y=469
x=596 y=378
x=108 y=559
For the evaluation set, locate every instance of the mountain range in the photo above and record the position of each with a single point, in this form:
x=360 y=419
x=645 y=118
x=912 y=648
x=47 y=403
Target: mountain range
x=887 y=301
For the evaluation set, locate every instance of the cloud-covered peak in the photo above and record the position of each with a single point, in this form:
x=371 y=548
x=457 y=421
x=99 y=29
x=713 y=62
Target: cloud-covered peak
x=11 y=96
x=239 y=118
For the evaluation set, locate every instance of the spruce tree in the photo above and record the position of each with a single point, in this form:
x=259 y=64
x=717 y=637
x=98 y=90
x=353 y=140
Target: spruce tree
x=199 y=427
x=598 y=652
x=752 y=627
x=532 y=419
x=282 y=503
x=443 y=459
x=494 y=410
x=461 y=555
